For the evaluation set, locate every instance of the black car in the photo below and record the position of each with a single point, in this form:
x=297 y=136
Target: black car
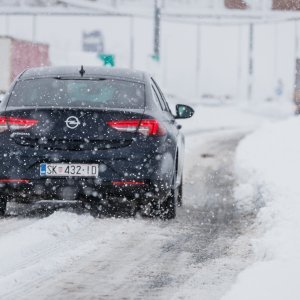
x=97 y=136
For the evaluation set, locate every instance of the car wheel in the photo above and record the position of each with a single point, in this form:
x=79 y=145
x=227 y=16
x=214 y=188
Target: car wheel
x=168 y=207
x=180 y=193
x=3 y=203
x=118 y=210
x=95 y=208
x=149 y=209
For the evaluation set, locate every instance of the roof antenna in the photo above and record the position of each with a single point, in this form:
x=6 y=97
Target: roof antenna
x=82 y=71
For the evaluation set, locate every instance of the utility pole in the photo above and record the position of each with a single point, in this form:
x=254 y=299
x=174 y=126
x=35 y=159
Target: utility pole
x=34 y=17
x=296 y=40
x=156 y=49
x=239 y=64
x=198 y=58
x=7 y=25
x=131 y=56
x=250 y=62
x=275 y=58
x=297 y=65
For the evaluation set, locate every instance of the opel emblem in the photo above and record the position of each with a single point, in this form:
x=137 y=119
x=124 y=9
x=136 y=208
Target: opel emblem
x=72 y=122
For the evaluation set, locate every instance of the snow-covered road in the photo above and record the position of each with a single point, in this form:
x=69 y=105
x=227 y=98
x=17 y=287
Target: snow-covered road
x=196 y=256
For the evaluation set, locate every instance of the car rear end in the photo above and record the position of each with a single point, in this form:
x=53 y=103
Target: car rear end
x=71 y=138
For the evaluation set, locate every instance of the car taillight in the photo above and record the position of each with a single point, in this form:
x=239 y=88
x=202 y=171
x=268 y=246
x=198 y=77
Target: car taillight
x=15 y=123
x=145 y=127
x=3 y=124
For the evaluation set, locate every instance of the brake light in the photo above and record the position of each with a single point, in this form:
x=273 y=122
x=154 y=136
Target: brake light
x=15 y=123
x=3 y=124
x=14 y=181
x=145 y=127
x=128 y=183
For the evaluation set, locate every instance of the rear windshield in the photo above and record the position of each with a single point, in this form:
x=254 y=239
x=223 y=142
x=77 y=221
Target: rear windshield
x=104 y=93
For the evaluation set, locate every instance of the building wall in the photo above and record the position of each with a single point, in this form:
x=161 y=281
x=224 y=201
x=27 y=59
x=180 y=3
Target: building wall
x=27 y=55
x=286 y=4
x=5 y=65
x=235 y=4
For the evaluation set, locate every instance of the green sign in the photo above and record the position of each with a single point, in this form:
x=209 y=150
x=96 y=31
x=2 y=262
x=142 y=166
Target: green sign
x=108 y=59
x=155 y=57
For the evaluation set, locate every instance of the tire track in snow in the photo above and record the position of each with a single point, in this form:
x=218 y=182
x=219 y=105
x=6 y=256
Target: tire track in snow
x=54 y=243
x=31 y=243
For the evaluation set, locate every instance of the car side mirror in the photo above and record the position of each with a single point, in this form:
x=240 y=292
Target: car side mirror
x=183 y=111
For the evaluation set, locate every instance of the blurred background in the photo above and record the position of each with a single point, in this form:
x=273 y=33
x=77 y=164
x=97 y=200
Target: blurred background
x=231 y=50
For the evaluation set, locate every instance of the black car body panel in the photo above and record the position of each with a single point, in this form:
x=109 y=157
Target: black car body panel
x=131 y=164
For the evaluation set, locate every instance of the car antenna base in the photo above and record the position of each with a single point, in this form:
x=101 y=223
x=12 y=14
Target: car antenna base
x=81 y=71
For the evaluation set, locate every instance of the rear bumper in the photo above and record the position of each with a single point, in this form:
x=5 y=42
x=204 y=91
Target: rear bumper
x=83 y=190
x=147 y=166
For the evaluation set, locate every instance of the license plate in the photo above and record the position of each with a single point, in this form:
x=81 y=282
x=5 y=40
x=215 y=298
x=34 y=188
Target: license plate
x=69 y=170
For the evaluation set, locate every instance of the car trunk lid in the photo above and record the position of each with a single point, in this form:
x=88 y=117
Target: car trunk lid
x=73 y=129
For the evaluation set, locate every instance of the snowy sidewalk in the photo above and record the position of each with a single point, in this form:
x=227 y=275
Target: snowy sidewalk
x=268 y=169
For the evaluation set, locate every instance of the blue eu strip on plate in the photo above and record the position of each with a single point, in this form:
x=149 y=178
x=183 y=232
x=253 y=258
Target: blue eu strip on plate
x=43 y=169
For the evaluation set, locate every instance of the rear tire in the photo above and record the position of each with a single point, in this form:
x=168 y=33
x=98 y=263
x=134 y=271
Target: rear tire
x=3 y=203
x=168 y=207
x=180 y=194
x=149 y=210
x=117 y=210
x=95 y=210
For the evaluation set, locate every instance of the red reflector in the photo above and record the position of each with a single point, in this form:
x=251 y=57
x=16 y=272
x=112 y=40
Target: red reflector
x=128 y=182
x=145 y=127
x=14 y=180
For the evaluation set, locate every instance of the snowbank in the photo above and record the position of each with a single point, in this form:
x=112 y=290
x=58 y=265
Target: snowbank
x=268 y=169
x=37 y=252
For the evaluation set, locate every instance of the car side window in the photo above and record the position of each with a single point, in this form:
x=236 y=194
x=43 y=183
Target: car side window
x=163 y=99
x=157 y=97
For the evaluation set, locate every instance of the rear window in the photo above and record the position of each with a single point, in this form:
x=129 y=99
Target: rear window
x=104 y=93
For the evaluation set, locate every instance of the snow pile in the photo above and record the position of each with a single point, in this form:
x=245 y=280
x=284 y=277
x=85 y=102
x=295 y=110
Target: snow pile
x=39 y=251
x=268 y=167
x=221 y=117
